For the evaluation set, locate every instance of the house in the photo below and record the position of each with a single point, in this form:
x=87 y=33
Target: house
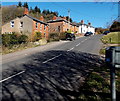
x=58 y=25
x=83 y=28
x=26 y=25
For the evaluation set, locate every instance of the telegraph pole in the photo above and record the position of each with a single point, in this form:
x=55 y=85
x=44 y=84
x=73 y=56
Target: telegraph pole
x=69 y=18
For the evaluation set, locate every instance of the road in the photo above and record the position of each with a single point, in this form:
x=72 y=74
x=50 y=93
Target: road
x=53 y=72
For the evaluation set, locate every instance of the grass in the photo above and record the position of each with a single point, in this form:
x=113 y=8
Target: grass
x=97 y=85
x=111 y=38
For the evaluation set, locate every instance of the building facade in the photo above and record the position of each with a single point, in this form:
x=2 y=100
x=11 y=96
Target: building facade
x=26 y=25
x=58 y=25
x=83 y=28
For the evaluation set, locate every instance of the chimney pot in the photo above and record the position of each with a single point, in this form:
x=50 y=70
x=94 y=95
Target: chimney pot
x=26 y=11
x=54 y=18
x=89 y=24
x=41 y=18
x=82 y=21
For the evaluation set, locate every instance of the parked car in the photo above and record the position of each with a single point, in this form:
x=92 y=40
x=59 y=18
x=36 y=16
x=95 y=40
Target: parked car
x=70 y=36
x=106 y=32
x=88 y=33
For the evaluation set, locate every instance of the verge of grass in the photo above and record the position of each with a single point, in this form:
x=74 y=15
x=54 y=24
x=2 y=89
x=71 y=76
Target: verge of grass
x=111 y=38
x=97 y=85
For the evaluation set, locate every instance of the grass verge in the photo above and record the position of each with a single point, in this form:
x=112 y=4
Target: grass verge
x=97 y=86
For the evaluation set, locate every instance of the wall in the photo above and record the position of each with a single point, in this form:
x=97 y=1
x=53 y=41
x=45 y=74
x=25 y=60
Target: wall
x=6 y=28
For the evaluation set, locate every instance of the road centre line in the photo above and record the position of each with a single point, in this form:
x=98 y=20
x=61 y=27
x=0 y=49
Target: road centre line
x=78 y=44
x=70 y=49
x=12 y=76
x=52 y=58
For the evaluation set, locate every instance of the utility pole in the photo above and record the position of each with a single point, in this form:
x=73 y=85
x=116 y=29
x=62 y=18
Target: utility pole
x=69 y=18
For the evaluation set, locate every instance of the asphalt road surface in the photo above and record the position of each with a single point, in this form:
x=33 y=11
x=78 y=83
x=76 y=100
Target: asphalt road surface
x=53 y=72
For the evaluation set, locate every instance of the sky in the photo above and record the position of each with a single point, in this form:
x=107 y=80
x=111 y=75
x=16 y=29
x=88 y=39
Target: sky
x=100 y=14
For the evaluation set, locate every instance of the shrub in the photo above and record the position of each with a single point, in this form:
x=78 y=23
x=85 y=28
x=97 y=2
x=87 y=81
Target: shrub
x=6 y=39
x=53 y=36
x=62 y=35
x=22 y=39
x=37 y=36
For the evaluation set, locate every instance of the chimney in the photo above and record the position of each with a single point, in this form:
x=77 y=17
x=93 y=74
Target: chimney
x=26 y=11
x=54 y=18
x=89 y=24
x=41 y=18
x=82 y=21
x=64 y=18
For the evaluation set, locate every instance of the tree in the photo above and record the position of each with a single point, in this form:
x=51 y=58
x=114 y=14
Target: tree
x=25 y=5
x=36 y=9
x=19 y=4
x=69 y=19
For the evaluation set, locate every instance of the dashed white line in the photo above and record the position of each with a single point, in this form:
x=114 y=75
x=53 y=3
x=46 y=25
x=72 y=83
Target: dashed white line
x=78 y=44
x=70 y=49
x=11 y=76
x=52 y=58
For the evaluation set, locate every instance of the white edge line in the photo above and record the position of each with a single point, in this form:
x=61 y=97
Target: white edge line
x=51 y=58
x=12 y=76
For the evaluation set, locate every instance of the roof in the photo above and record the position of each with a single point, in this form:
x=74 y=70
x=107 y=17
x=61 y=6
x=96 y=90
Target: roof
x=57 y=20
x=60 y=20
x=84 y=24
x=36 y=19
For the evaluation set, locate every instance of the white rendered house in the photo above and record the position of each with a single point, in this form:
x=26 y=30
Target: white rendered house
x=83 y=28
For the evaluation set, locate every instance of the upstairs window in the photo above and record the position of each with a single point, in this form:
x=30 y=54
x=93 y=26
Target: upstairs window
x=40 y=26
x=36 y=25
x=12 y=24
x=44 y=27
x=21 y=24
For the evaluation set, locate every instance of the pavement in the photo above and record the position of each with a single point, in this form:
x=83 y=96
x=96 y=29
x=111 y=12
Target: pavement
x=53 y=72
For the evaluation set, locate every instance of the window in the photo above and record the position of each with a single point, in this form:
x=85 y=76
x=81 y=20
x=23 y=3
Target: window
x=12 y=24
x=44 y=27
x=36 y=25
x=21 y=24
x=59 y=28
x=40 y=26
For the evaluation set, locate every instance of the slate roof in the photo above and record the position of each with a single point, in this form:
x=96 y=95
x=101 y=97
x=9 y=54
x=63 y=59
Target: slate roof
x=36 y=19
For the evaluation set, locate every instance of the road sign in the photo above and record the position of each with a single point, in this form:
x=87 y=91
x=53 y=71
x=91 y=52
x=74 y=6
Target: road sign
x=113 y=56
x=113 y=60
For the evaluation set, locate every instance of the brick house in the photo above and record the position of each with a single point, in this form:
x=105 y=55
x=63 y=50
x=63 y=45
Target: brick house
x=58 y=24
x=26 y=25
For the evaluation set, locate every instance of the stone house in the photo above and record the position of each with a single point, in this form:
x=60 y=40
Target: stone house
x=26 y=25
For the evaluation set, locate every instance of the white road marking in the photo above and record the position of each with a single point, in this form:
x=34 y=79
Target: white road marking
x=52 y=58
x=78 y=44
x=11 y=76
x=70 y=49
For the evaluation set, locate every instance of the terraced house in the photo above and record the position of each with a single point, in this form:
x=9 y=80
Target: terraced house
x=58 y=24
x=26 y=25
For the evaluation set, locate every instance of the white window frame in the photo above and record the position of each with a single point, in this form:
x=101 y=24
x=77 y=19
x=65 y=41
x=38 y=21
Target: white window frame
x=40 y=26
x=21 y=24
x=36 y=25
x=12 y=24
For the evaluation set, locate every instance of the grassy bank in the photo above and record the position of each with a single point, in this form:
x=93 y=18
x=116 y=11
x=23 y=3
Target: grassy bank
x=97 y=86
x=111 y=39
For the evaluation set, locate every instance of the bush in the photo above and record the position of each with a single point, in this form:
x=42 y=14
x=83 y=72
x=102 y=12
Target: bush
x=62 y=35
x=37 y=36
x=6 y=39
x=9 y=40
x=22 y=39
x=54 y=37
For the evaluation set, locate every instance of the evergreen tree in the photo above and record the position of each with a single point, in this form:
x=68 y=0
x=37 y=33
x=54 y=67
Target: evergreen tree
x=20 y=4
x=25 y=5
